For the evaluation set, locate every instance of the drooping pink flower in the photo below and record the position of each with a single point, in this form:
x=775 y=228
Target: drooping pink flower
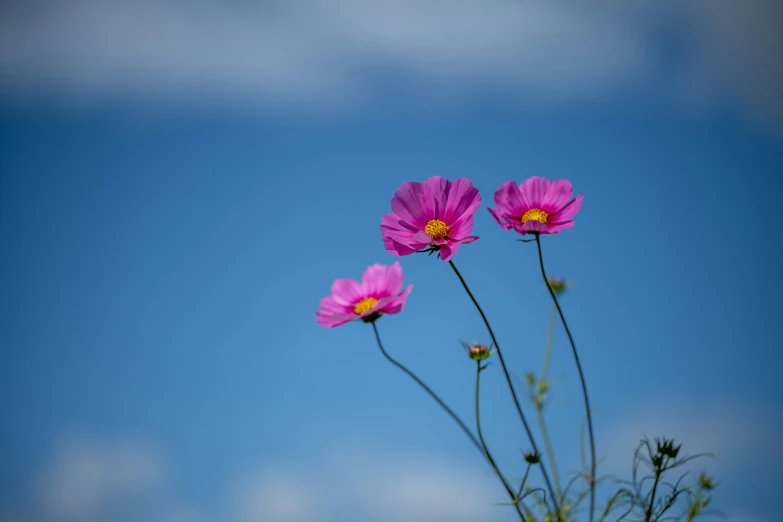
x=537 y=205
x=436 y=213
x=380 y=292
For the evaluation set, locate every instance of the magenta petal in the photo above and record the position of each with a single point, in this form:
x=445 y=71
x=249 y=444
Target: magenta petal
x=347 y=292
x=409 y=204
x=534 y=190
x=397 y=237
x=333 y=314
x=463 y=200
x=557 y=227
x=435 y=193
x=567 y=212
x=448 y=251
x=395 y=304
x=462 y=228
x=468 y=239
x=381 y=280
x=396 y=248
x=531 y=226
x=558 y=193
x=500 y=217
x=509 y=200
x=330 y=321
x=329 y=305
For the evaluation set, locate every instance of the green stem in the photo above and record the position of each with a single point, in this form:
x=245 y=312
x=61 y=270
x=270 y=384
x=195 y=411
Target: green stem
x=524 y=480
x=510 y=492
x=426 y=388
x=648 y=513
x=510 y=385
x=581 y=377
x=550 y=453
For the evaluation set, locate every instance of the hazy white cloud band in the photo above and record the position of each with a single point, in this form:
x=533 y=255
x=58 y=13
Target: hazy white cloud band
x=319 y=53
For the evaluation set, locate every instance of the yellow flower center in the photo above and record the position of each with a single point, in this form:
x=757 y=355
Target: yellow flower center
x=535 y=214
x=365 y=305
x=437 y=229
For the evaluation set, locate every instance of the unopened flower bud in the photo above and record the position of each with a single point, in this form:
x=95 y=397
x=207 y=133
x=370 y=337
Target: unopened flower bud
x=478 y=352
x=532 y=457
x=706 y=482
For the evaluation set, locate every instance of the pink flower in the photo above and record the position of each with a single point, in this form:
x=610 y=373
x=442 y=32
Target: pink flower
x=380 y=292
x=537 y=205
x=436 y=213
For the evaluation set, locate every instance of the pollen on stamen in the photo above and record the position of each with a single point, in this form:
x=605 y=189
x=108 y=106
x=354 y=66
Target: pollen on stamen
x=365 y=305
x=535 y=214
x=437 y=229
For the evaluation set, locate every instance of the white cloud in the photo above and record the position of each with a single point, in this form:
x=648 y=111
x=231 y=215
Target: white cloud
x=740 y=435
x=275 y=498
x=87 y=475
x=372 y=486
x=324 y=53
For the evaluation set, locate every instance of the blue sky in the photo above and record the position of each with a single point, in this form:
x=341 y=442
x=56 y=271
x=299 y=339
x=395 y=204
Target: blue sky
x=172 y=210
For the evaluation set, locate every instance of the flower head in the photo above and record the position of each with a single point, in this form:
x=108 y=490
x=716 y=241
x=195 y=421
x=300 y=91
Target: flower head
x=476 y=351
x=537 y=205
x=380 y=292
x=436 y=213
x=532 y=457
x=706 y=482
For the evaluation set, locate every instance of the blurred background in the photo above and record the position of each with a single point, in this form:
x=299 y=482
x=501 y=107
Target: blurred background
x=181 y=181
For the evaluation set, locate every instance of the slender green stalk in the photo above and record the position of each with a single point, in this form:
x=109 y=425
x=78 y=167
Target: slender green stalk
x=426 y=388
x=491 y=461
x=550 y=453
x=510 y=386
x=648 y=513
x=524 y=480
x=581 y=376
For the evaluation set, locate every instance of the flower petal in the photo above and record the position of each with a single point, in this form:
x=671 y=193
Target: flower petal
x=395 y=304
x=330 y=321
x=449 y=250
x=500 y=217
x=409 y=204
x=557 y=227
x=435 y=194
x=509 y=199
x=347 y=292
x=534 y=191
x=462 y=228
x=463 y=200
x=398 y=238
x=333 y=313
x=567 y=212
x=558 y=193
x=381 y=280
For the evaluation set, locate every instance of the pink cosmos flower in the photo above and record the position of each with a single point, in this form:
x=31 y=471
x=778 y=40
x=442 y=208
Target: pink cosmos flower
x=436 y=213
x=380 y=292
x=537 y=205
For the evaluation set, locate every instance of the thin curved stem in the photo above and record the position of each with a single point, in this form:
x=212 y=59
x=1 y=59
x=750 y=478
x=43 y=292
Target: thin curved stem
x=434 y=395
x=510 y=386
x=581 y=376
x=491 y=461
x=550 y=453
x=524 y=480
